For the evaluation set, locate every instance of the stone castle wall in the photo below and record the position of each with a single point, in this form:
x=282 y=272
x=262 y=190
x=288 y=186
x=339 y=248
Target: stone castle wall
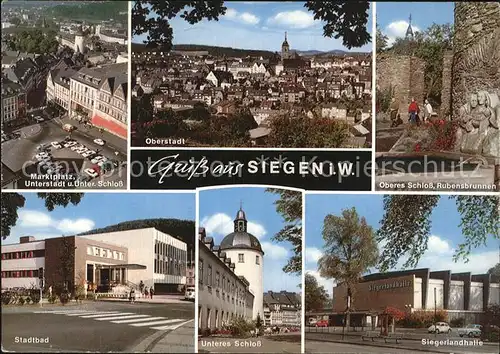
x=446 y=84
x=476 y=51
x=404 y=74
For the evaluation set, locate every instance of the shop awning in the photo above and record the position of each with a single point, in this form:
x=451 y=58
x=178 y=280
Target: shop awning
x=110 y=125
x=126 y=266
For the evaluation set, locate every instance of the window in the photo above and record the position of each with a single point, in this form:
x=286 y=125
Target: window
x=217 y=279
x=241 y=258
x=89 y=250
x=200 y=271
x=209 y=280
x=257 y=260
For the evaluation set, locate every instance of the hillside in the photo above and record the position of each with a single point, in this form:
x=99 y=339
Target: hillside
x=214 y=51
x=183 y=230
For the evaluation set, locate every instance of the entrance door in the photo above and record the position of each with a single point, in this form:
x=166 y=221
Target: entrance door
x=90 y=273
x=105 y=276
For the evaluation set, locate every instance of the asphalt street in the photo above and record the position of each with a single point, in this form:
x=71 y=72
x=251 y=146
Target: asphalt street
x=329 y=342
x=16 y=152
x=95 y=326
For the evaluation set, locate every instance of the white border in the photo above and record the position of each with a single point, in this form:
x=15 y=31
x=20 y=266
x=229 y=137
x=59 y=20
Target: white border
x=374 y=91
x=129 y=92
x=196 y=275
x=303 y=279
x=281 y=150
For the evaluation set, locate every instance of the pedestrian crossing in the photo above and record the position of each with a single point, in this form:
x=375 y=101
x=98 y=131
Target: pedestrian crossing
x=127 y=318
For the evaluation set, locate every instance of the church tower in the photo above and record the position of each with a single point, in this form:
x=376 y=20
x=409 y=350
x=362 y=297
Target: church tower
x=285 y=49
x=409 y=30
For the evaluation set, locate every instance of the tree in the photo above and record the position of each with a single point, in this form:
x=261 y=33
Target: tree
x=258 y=322
x=406 y=226
x=12 y=202
x=34 y=41
x=382 y=41
x=316 y=297
x=495 y=270
x=346 y=20
x=350 y=250
x=289 y=206
x=301 y=131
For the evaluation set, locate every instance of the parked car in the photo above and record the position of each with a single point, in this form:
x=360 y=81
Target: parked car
x=76 y=147
x=56 y=145
x=471 y=330
x=322 y=323
x=312 y=321
x=70 y=143
x=99 y=142
x=43 y=147
x=91 y=172
x=38 y=119
x=97 y=159
x=190 y=293
x=88 y=153
x=439 y=327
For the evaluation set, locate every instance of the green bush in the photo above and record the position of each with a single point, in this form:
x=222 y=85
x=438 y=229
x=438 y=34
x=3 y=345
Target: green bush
x=52 y=299
x=240 y=327
x=6 y=297
x=64 y=298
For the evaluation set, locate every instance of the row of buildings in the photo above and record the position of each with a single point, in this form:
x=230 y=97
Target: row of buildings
x=113 y=261
x=268 y=86
x=231 y=282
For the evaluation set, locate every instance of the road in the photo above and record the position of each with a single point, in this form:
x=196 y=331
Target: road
x=95 y=326
x=331 y=343
x=17 y=152
x=289 y=343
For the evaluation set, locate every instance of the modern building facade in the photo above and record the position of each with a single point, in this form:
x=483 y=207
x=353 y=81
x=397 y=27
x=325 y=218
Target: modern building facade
x=460 y=294
x=222 y=294
x=103 y=260
x=282 y=309
x=245 y=250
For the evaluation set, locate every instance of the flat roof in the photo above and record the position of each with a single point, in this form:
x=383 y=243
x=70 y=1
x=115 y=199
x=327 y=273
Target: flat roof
x=126 y=266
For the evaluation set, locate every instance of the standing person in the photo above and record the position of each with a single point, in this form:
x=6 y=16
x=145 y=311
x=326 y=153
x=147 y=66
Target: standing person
x=413 y=111
x=133 y=295
x=146 y=291
x=141 y=287
x=151 y=292
x=427 y=111
x=50 y=291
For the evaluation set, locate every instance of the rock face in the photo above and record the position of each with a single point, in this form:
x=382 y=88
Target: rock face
x=476 y=77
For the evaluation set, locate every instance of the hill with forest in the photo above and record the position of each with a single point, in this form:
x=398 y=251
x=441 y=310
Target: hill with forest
x=212 y=50
x=183 y=230
x=90 y=10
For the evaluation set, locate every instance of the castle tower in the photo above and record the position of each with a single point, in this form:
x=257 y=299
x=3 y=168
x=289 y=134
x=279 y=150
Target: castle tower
x=285 y=49
x=246 y=253
x=79 y=42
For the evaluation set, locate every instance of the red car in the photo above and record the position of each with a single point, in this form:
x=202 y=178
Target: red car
x=322 y=323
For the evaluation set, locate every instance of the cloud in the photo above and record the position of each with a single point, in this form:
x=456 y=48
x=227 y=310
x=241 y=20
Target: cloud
x=75 y=226
x=313 y=254
x=245 y=17
x=437 y=245
x=293 y=19
x=222 y=224
x=33 y=219
x=397 y=29
x=326 y=283
x=274 y=251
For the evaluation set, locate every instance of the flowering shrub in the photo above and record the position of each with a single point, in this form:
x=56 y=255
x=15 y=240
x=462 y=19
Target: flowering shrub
x=395 y=313
x=423 y=319
x=442 y=135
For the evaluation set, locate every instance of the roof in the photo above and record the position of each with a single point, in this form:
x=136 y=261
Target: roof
x=241 y=240
x=110 y=78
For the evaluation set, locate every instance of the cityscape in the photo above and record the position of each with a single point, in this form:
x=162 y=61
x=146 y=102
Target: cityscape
x=117 y=279
x=64 y=95
x=203 y=94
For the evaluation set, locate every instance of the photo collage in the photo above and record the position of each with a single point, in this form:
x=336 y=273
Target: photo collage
x=250 y=176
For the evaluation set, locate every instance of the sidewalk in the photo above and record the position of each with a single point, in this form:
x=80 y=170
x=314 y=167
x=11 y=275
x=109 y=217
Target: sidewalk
x=157 y=299
x=180 y=340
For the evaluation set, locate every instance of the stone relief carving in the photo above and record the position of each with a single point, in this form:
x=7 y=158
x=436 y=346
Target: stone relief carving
x=478 y=131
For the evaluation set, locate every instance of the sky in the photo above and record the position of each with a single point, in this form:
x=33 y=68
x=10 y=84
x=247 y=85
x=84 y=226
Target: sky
x=445 y=233
x=260 y=25
x=217 y=210
x=97 y=210
x=393 y=17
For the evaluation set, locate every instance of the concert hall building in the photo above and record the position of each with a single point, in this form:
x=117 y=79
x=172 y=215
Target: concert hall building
x=460 y=294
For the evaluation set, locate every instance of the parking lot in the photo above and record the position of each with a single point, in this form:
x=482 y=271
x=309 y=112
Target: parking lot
x=49 y=157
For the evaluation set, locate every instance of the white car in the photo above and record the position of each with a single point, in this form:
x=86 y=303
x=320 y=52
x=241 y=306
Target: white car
x=190 y=293
x=69 y=144
x=76 y=147
x=472 y=330
x=99 y=142
x=439 y=327
x=88 y=153
x=41 y=155
x=97 y=159
x=82 y=150
x=91 y=172
x=39 y=119
x=56 y=145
